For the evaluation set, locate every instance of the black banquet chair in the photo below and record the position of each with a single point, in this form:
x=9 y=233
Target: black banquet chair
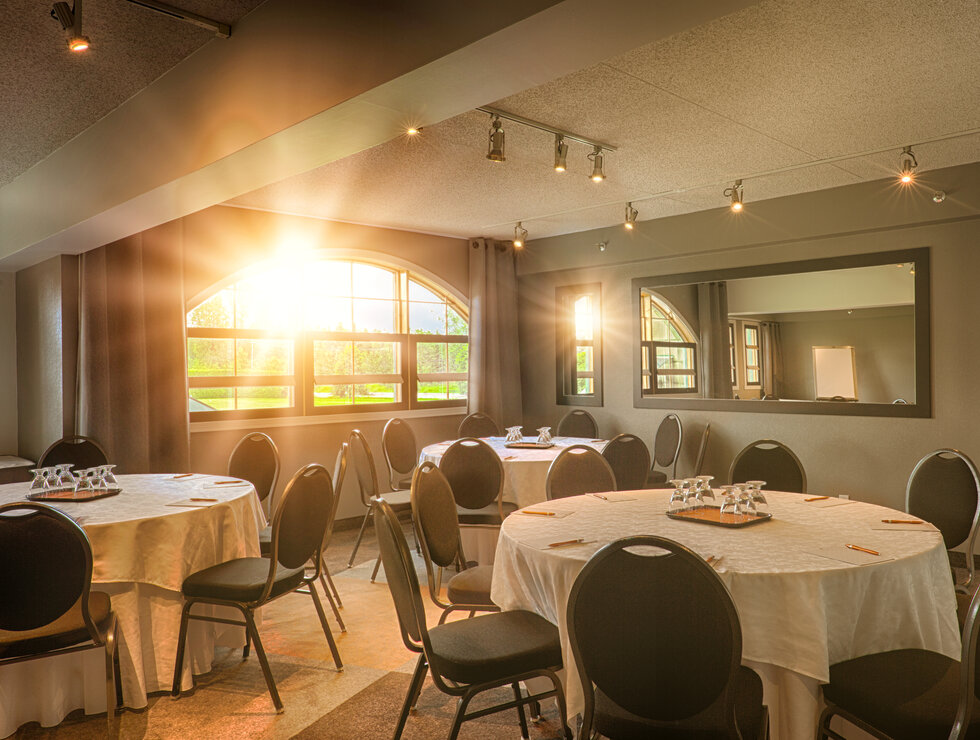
x=944 y=490
x=908 y=694
x=80 y=452
x=255 y=458
x=434 y=514
x=578 y=423
x=669 y=666
x=702 y=448
x=666 y=450
x=469 y=656
x=478 y=424
x=576 y=470
x=771 y=461
x=476 y=476
x=246 y=584
x=401 y=453
x=47 y=606
x=629 y=459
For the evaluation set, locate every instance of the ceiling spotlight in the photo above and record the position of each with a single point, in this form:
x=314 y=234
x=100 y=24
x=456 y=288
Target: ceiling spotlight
x=907 y=165
x=70 y=19
x=939 y=196
x=495 y=145
x=520 y=234
x=413 y=131
x=561 y=152
x=596 y=157
x=601 y=246
x=630 y=222
x=735 y=193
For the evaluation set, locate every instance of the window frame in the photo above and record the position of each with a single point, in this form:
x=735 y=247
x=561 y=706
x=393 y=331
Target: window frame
x=304 y=380
x=746 y=367
x=566 y=367
x=647 y=347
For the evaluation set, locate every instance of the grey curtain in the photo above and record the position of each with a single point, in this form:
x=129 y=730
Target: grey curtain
x=772 y=359
x=716 y=374
x=132 y=376
x=495 y=369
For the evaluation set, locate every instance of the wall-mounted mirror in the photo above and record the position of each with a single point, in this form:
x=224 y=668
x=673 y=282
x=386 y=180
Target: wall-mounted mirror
x=843 y=335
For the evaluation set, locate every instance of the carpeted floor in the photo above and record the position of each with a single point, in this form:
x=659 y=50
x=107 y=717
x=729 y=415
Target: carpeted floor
x=360 y=703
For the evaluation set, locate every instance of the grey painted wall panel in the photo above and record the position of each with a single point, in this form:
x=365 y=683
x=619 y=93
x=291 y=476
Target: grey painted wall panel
x=8 y=364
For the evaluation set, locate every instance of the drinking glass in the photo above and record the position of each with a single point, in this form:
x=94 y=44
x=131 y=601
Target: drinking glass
x=544 y=435
x=40 y=481
x=695 y=497
x=678 y=499
x=758 y=498
x=515 y=434
x=107 y=478
x=83 y=481
x=66 y=481
x=705 y=481
x=730 y=503
x=745 y=502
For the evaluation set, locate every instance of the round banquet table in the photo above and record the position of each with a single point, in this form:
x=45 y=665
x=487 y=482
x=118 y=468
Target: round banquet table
x=804 y=600
x=144 y=543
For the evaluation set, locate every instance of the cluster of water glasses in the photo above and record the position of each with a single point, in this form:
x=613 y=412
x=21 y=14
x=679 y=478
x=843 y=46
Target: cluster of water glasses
x=516 y=434
x=59 y=478
x=739 y=498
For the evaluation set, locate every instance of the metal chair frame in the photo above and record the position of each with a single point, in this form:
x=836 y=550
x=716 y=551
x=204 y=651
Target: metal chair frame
x=677 y=450
x=971 y=538
x=556 y=464
x=644 y=456
x=702 y=448
x=775 y=443
x=477 y=417
x=98 y=640
x=72 y=440
x=384 y=517
x=247 y=608
x=574 y=416
x=395 y=476
x=463 y=443
x=257 y=437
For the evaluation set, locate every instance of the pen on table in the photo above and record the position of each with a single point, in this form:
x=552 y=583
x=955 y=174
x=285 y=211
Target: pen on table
x=182 y=475
x=713 y=560
x=226 y=482
x=204 y=499
x=599 y=495
x=816 y=498
x=862 y=549
x=577 y=541
x=538 y=513
x=901 y=521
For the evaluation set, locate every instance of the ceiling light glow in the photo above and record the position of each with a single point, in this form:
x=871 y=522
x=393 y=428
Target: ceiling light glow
x=413 y=131
x=78 y=43
x=907 y=164
x=561 y=153
x=596 y=156
x=520 y=235
x=735 y=193
x=629 y=223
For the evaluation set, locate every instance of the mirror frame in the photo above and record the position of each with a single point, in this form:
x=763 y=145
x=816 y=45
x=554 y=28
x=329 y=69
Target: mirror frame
x=922 y=408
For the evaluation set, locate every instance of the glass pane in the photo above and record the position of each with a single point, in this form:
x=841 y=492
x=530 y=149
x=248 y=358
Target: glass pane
x=217 y=312
x=752 y=357
x=432 y=391
x=584 y=358
x=375 y=393
x=431 y=357
x=459 y=357
x=457 y=324
x=264 y=357
x=210 y=357
x=333 y=358
x=457 y=390
x=327 y=313
x=268 y=301
x=330 y=277
x=264 y=397
x=417 y=292
x=583 y=317
x=332 y=395
x=752 y=377
x=752 y=336
x=373 y=282
x=675 y=357
x=212 y=399
x=375 y=358
x=427 y=318
x=583 y=386
x=675 y=381
x=372 y=315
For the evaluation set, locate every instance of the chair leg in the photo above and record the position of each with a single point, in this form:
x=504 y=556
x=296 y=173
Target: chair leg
x=520 y=710
x=326 y=628
x=377 y=566
x=333 y=586
x=263 y=661
x=535 y=711
x=248 y=644
x=112 y=726
x=360 y=534
x=414 y=688
x=181 y=641
x=333 y=604
x=562 y=708
x=464 y=701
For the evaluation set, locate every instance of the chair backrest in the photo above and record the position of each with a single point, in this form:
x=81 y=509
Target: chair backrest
x=400 y=451
x=339 y=476
x=944 y=489
x=667 y=443
x=434 y=514
x=629 y=459
x=81 y=452
x=699 y=461
x=578 y=423
x=771 y=461
x=47 y=567
x=474 y=471
x=402 y=580
x=478 y=425
x=256 y=459
x=674 y=653
x=301 y=520
x=969 y=680
x=363 y=461
x=576 y=470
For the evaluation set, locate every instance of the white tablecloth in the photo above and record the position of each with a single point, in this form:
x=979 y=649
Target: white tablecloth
x=142 y=550
x=800 y=612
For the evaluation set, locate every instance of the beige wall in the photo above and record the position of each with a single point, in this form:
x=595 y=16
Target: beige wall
x=8 y=365
x=868 y=458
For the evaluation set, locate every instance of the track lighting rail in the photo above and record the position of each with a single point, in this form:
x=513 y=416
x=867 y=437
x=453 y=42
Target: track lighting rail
x=541 y=126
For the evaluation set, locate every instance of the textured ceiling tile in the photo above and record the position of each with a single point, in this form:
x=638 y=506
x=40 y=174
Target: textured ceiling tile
x=930 y=157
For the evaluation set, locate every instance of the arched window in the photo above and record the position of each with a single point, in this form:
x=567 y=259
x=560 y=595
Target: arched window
x=326 y=336
x=668 y=349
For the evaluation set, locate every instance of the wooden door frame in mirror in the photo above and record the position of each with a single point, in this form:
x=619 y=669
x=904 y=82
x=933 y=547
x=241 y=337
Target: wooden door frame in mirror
x=922 y=408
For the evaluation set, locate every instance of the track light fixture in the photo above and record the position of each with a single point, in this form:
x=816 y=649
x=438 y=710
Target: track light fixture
x=596 y=156
x=907 y=165
x=629 y=223
x=735 y=193
x=520 y=235
x=495 y=144
x=70 y=19
x=561 y=152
